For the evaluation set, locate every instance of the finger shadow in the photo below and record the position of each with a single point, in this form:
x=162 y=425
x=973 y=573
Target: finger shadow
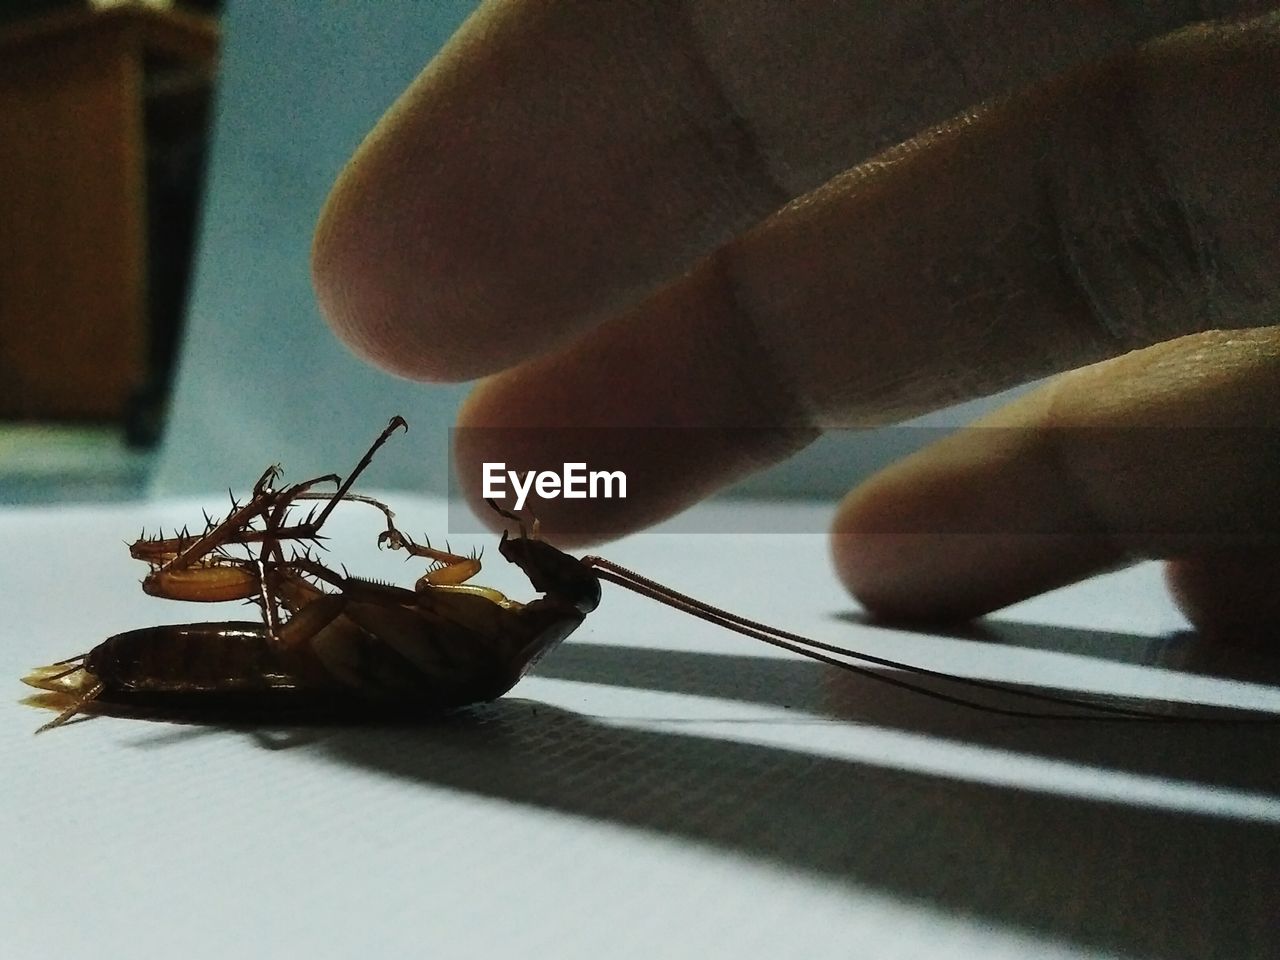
x=1139 y=880
x=1185 y=651
x=1219 y=755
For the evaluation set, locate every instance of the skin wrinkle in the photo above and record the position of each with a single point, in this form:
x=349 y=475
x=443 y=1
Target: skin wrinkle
x=1230 y=278
x=765 y=387
x=1198 y=399
x=986 y=284
x=767 y=317
x=1104 y=229
x=1148 y=19
x=1239 y=243
x=745 y=147
x=1069 y=263
x=1050 y=445
x=1235 y=245
x=943 y=39
x=1137 y=253
x=834 y=131
x=747 y=182
x=838 y=117
x=993 y=288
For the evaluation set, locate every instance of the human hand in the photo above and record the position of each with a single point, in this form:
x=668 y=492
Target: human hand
x=592 y=205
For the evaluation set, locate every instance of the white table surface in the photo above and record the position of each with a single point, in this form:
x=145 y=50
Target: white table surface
x=659 y=788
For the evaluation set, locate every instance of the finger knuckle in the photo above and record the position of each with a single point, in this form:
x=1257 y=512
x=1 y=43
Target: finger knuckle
x=1159 y=173
x=1141 y=259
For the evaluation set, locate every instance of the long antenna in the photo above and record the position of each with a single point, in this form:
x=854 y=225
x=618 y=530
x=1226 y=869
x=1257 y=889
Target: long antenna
x=816 y=650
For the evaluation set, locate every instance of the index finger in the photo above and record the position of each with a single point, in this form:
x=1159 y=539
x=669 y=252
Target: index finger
x=560 y=160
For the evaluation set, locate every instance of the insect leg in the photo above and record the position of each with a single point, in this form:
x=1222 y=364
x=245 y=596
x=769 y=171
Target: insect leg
x=272 y=552
x=354 y=498
x=448 y=569
x=270 y=604
x=72 y=710
x=195 y=568
x=276 y=514
x=503 y=512
x=311 y=527
x=269 y=476
x=310 y=609
x=317 y=570
x=234 y=529
x=276 y=531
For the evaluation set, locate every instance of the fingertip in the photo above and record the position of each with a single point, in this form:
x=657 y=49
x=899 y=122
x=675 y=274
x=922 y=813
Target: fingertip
x=380 y=292
x=892 y=568
x=945 y=536
x=677 y=438
x=527 y=420
x=903 y=577
x=1231 y=598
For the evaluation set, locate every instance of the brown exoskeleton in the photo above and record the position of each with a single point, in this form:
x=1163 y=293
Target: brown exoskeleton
x=332 y=644
x=358 y=644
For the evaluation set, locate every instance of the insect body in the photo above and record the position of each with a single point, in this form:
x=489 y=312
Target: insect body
x=328 y=643
x=366 y=646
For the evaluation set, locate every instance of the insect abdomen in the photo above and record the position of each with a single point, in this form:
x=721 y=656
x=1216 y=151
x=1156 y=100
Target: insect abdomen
x=193 y=657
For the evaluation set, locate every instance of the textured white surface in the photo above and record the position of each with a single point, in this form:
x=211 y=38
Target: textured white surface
x=658 y=789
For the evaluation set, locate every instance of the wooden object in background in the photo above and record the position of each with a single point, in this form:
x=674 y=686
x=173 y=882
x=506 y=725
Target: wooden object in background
x=73 y=213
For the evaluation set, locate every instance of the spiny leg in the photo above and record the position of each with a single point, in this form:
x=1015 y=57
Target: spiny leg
x=197 y=568
x=269 y=603
x=319 y=571
x=454 y=568
x=179 y=552
x=311 y=527
x=454 y=573
x=276 y=531
x=355 y=498
x=266 y=500
x=234 y=529
x=270 y=553
x=269 y=476
x=72 y=710
x=284 y=586
x=273 y=507
x=304 y=530
x=231 y=530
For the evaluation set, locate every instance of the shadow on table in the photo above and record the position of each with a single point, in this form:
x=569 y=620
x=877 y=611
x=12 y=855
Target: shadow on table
x=1185 y=651
x=1110 y=874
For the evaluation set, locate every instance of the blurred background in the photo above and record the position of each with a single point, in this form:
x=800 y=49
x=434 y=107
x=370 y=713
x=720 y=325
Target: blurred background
x=105 y=112
x=162 y=165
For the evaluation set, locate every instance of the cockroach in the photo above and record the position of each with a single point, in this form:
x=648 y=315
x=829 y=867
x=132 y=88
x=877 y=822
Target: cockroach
x=331 y=644
x=328 y=643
